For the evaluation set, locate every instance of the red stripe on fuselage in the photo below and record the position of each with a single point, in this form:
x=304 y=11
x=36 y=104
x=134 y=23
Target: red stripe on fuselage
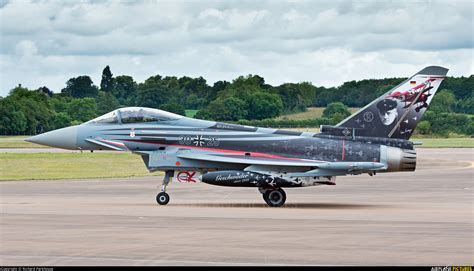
x=113 y=142
x=343 y=150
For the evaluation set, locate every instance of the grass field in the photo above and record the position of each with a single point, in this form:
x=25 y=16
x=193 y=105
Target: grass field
x=310 y=113
x=50 y=166
x=17 y=142
x=462 y=142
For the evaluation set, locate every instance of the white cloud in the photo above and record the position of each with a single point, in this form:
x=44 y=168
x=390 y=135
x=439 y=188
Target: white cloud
x=26 y=48
x=325 y=42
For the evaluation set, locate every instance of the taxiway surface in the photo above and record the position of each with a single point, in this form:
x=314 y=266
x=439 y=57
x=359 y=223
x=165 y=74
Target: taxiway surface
x=420 y=218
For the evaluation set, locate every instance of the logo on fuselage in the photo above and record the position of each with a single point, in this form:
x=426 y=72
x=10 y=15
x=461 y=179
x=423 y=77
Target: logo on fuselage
x=368 y=116
x=186 y=176
x=199 y=141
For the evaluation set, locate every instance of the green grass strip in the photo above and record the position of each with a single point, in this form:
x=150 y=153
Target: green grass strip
x=52 y=166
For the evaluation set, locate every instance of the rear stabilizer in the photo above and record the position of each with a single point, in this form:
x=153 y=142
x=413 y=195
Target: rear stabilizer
x=396 y=113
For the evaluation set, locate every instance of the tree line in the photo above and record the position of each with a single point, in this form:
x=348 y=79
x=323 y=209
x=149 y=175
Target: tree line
x=247 y=100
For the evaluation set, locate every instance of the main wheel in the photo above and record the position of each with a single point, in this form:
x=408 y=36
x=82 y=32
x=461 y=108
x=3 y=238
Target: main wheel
x=162 y=198
x=275 y=198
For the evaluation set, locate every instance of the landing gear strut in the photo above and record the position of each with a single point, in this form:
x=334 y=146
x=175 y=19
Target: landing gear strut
x=163 y=198
x=273 y=197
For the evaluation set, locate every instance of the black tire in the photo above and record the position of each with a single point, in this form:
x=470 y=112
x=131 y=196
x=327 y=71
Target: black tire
x=162 y=198
x=275 y=198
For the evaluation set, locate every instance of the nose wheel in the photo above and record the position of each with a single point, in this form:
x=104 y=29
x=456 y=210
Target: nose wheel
x=274 y=197
x=163 y=198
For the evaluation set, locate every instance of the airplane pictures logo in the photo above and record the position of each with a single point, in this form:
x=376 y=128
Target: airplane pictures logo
x=451 y=268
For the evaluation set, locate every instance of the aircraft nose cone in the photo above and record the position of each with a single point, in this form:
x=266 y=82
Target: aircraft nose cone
x=65 y=138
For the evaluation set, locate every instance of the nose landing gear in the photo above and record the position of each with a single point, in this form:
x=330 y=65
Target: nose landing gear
x=163 y=198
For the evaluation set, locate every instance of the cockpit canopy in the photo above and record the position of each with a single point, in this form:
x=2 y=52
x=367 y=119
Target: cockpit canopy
x=135 y=115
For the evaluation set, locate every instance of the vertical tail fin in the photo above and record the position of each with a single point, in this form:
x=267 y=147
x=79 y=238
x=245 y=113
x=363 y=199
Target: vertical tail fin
x=396 y=113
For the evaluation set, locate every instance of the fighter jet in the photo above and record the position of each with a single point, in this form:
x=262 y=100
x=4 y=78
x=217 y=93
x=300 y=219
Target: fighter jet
x=192 y=150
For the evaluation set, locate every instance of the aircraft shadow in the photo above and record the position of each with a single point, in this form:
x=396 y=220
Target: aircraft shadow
x=287 y=205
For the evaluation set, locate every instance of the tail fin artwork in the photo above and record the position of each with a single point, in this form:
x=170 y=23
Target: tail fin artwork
x=396 y=113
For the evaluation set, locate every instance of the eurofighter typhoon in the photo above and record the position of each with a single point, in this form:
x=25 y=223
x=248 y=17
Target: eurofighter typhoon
x=374 y=139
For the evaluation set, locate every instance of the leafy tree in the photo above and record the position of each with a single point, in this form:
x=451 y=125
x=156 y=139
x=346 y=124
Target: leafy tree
x=216 y=88
x=462 y=87
x=18 y=122
x=264 y=105
x=76 y=122
x=336 y=108
x=443 y=101
x=82 y=109
x=204 y=114
x=249 y=81
x=107 y=82
x=124 y=89
x=465 y=105
x=106 y=102
x=12 y=121
x=244 y=86
x=35 y=108
x=171 y=82
x=296 y=97
x=59 y=102
x=424 y=127
x=355 y=93
x=234 y=109
x=193 y=85
x=46 y=91
x=446 y=123
x=153 y=93
x=337 y=117
x=174 y=108
x=469 y=128
x=224 y=109
x=286 y=123
x=246 y=97
x=80 y=87
x=194 y=102
x=61 y=120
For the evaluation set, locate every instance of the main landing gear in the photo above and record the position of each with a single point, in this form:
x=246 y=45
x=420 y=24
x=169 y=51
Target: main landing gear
x=274 y=197
x=163 y=198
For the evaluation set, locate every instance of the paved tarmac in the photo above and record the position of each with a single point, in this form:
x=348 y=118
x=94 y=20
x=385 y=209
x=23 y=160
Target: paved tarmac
x=420 y=218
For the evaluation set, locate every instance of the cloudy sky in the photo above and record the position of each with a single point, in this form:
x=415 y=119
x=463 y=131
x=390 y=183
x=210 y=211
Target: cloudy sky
x=324 y=42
